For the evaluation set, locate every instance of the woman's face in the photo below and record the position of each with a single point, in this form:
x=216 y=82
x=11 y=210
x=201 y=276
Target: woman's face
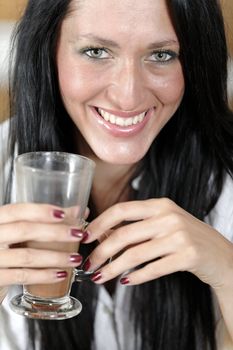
x=120 y=75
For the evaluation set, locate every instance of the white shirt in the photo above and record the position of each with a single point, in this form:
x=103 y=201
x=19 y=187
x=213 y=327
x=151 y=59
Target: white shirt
x=111 y=312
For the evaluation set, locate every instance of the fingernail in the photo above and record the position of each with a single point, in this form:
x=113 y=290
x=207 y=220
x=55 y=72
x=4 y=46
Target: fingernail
x=124 y=280
x=77 y=233
x=58 y=214
x=87 y=265
x=86 y=235
x=76 y=258
x=62 y=274
x=96 y=276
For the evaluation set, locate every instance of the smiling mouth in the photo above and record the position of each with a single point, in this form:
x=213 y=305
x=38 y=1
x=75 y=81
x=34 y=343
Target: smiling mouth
x=116 y=120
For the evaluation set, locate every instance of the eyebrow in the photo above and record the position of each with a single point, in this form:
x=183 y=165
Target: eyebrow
x=108 y=42
x=99 y=40
x=164 y=43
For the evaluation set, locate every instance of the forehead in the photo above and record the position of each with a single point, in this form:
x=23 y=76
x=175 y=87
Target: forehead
x=129 y=18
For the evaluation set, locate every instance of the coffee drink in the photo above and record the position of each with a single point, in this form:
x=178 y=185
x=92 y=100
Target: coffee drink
x=53 y=290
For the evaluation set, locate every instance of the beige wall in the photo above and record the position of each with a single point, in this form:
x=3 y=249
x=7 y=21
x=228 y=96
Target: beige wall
x=11 y=10
x=228 y=16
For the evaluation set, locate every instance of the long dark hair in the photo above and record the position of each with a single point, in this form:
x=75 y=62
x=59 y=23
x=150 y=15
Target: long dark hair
x=187 y=162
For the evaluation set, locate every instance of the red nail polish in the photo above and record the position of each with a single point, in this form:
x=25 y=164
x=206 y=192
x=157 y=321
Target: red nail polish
x=85 y=236
x=124 y=280
x=77 y=233
x=87 y=265
x=76 y=258
x=96 y=276
x=58 y=214
x=62 y=274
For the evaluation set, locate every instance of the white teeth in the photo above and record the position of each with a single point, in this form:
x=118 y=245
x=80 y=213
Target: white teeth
x=128 y=121
x=121 y=121
x=106 y=116
x=112 y=119
x=141 y=117
x=135 y=120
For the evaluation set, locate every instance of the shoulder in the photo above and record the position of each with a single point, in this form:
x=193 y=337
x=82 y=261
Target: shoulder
x=4 y=137
x=4 y=157
x=4 y=130
x=221 y=216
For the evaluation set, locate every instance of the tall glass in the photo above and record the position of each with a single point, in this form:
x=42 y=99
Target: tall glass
x=64 y=180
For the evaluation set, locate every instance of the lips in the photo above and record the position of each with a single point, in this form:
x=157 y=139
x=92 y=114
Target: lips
x=119 y=120
x=122 y=124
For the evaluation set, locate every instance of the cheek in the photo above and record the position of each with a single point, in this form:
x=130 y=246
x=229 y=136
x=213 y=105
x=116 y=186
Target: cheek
x=76 y=82
x=169 y=89
x=73 y=86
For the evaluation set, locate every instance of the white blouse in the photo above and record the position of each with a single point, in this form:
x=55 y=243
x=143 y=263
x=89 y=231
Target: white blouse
x=113 y=329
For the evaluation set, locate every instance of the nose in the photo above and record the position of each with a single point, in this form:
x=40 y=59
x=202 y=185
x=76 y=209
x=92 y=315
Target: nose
x=127 y=91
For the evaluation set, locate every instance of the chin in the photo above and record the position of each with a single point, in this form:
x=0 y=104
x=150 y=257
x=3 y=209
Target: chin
x=120 y=159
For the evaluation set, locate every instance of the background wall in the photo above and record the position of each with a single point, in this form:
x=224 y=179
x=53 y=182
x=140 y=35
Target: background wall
x=11 y=10
x=227 y=6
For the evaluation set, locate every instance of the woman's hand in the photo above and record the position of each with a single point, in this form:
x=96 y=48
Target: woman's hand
x=39 y=224
x=162 y=236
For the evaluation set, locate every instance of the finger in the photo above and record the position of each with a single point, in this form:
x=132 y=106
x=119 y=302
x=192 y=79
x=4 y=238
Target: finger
x=131 y=235
x=35 y=258
x=27 y=231
x=30 y=212
x=162 y=267
x=129 y=211
x=134 y=257
x=37 y=212
x=87 y=212
x=31 y=276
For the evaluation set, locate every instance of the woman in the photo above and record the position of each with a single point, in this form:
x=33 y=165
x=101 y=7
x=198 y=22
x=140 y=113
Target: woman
x=139 y=87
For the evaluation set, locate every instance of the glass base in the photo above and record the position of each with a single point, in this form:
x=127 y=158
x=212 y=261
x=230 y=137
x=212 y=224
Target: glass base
x=46 y=309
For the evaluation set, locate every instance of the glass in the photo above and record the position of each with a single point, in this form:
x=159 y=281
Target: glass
x=64 y=180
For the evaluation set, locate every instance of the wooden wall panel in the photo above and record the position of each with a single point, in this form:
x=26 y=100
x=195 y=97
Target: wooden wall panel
x=227 y=6
x=4 y=105
x=11 y=9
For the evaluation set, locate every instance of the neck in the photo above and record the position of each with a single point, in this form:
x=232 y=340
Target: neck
x=110 y=183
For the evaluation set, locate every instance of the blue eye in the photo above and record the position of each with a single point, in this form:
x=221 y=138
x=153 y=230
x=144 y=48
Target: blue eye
x=96 y=53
